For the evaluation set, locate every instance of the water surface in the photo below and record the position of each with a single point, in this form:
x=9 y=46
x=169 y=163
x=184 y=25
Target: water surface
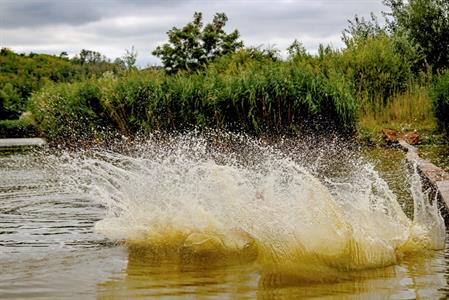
x=146 y=223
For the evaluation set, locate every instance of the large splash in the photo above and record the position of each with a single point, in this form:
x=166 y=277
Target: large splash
x=232 y=199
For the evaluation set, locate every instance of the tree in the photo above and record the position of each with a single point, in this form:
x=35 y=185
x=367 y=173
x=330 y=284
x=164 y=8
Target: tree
x=5 y=52
x=129 y=58
x=361 y=29
x=90 y=57
x=194 y=46
x=424 y=23
x=296 y=49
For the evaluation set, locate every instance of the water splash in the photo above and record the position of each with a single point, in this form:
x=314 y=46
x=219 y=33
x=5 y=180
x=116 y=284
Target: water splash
x=232 y=199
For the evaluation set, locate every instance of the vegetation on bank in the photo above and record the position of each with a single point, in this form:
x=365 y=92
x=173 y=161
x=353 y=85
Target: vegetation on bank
x=21 y=75
x=440 y=98
x=391 y=76
x=20 y=128
x=236 y=93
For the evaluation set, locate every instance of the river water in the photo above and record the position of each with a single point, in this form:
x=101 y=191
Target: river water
x=198 y=218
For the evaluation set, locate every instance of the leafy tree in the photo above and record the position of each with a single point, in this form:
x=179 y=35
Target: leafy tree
x=194 y=46
x=90 y=57
x=129 y=58
x=296 y=49
x=5 y=52
x=424 y=23
x=361 y=29
x=120 y=63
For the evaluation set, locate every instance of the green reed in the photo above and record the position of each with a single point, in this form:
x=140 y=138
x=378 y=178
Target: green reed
x=253 y=96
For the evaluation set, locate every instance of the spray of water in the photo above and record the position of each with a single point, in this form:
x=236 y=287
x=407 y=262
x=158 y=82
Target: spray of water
x=232 y=199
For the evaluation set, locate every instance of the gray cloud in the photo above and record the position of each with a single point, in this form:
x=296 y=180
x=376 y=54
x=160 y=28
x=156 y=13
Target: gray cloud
x=15 y=14
x=110 y=26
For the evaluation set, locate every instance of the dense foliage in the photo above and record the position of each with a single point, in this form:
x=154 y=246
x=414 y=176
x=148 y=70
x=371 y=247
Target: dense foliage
x=193 y=47
x=426 y=24
x=254 y=96
x=440 y=97
x=21 y=75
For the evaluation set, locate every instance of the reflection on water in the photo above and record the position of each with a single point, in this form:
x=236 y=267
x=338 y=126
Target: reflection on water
x=420 y=277
x=50 y=206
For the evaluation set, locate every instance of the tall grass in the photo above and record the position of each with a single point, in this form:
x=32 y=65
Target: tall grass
x=404 y=111
x=250 y=95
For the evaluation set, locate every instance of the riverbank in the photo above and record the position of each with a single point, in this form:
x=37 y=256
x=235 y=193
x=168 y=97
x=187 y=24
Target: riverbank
x=22 y=142
x=18 y=144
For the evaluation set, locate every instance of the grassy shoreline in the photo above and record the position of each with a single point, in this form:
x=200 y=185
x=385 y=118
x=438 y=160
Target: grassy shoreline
x=394 y=76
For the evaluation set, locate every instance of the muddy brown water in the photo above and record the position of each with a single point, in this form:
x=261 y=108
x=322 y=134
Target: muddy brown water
x=50 y=250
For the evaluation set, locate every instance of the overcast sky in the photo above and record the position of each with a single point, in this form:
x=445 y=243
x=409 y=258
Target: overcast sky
x=111 y=26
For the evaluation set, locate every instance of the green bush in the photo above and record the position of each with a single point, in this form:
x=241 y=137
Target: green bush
x=70 y=110
x=372 y=67
x=10 y=102
x=17 y=128
x=375 y=68
x=440 y=100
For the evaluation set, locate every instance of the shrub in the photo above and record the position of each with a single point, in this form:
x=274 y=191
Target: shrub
x=17 y=128
x=70 y=110
x=440 y=101
x=375 y=68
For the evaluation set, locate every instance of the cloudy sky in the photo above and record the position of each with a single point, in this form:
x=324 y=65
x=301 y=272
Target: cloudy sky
x=111 y=26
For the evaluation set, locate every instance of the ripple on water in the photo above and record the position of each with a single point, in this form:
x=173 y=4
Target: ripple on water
x=50 y=204
x=38 y=212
